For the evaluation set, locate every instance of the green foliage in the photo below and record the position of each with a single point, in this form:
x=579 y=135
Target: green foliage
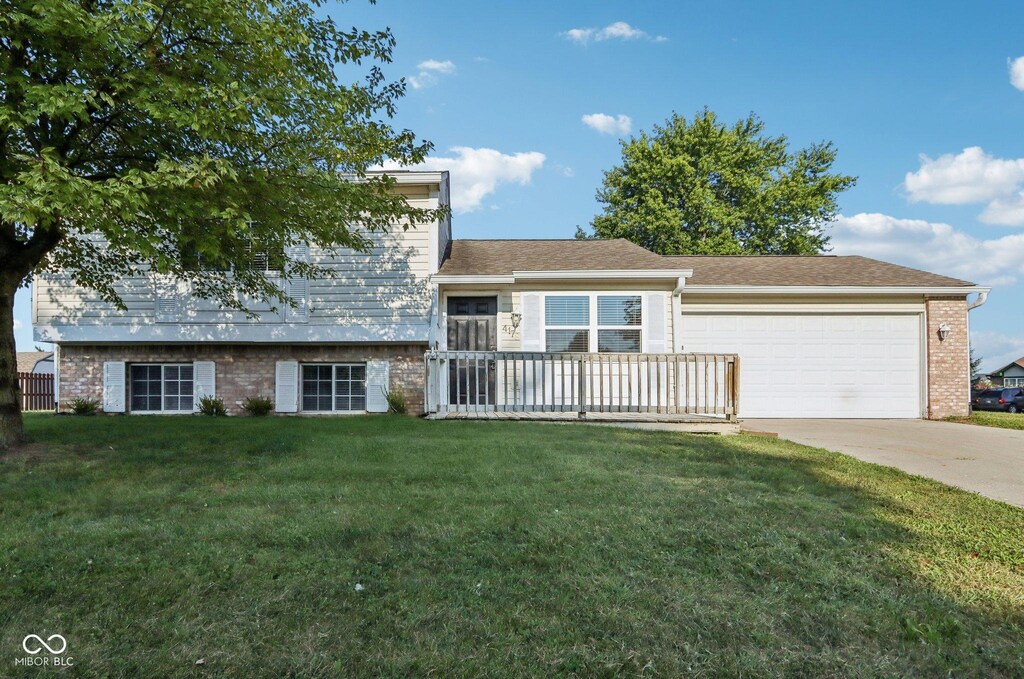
x=84 y=406
x=702 y=187
x=133 y=132
x=975 y=364
x=258 y=406
x=212 y=407
x=396 y=402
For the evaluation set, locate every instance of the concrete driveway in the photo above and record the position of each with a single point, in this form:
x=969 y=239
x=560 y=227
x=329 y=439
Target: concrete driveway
x=985 y=460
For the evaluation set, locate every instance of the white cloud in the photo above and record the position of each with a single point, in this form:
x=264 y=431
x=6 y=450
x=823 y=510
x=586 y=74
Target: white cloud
x=1005 y=211
x=996 y=349
x=618 y=30
x=930 y=246
x=1017 y=73
x=972 y=176
x=478 y=172
x=17 y=324
x=429 y=73
x=445 y=66
x=606 y=124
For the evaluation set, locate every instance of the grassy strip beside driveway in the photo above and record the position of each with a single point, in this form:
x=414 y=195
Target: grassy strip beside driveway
x=992 y=419
x=393 y=546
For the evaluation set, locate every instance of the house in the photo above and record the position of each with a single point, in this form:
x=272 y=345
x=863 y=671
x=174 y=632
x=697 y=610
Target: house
x=35 y=361
x=541 y=325
x=1010 y=375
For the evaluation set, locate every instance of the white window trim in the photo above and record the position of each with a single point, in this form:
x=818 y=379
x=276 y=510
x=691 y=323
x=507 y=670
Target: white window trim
x=593 y=327
x=128 y=398
x=334 y=386
x=1013 y=382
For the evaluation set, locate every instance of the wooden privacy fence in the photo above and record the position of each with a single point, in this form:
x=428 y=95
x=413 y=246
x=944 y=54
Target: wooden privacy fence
x=36 y=391
x=502 y=381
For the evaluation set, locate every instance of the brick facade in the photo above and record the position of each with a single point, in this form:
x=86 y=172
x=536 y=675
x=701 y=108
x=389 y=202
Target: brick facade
x=948 y=360
x=241 y=370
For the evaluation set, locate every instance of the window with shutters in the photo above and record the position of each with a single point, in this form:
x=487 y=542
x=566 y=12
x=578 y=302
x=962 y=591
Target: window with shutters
x=260 y=260
x=594 y=322
x=161 y=387
x=334 y=388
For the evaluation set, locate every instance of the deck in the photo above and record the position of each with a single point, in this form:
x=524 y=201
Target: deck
x=697 y=390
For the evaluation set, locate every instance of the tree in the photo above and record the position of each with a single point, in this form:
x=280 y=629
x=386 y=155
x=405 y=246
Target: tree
x=701 y=187
x=975 y=364
x=179 y=137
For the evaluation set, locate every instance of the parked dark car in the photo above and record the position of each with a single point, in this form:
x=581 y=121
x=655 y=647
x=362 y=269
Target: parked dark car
x=1010 y=400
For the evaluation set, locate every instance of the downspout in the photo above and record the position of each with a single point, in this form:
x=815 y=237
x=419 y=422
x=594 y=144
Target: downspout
x=981 y=299
x=434 y=328
x=677 y=315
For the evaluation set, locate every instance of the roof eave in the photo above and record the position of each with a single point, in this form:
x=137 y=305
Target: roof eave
x=580 y=274
x=835 y=289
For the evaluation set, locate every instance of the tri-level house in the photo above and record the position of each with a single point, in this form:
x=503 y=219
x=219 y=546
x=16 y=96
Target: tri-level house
x=539 y=328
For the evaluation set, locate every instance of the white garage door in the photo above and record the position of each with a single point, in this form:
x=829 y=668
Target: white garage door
x=817 y=365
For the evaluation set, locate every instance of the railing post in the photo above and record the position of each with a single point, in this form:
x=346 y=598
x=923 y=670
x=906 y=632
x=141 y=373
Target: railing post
x=581 y=389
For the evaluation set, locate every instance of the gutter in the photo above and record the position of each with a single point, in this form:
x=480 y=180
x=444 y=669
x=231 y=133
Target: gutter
x=833 y=290
x=579 y=274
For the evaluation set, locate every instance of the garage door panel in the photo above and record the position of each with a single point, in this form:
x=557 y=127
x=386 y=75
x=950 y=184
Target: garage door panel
x=798 y=365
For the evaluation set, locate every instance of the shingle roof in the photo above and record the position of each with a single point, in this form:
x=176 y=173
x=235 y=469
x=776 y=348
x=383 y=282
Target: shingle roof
x=822 y=270
x=27 y=359
x=1019 y=363
x=502 y=257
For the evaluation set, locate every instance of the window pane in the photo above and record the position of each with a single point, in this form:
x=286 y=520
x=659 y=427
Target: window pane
x=565 y=310
x=568 y=340
x=316 y=387
x=618 y=341
x=618 y=310
x=349 y=387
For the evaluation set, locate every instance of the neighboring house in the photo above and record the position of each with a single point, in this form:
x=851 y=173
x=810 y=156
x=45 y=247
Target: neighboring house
x=35 y=361
x=816 y=336
x=1011 y=375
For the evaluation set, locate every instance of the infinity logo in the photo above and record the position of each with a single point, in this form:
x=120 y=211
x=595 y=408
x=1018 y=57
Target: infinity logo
x=44 y=644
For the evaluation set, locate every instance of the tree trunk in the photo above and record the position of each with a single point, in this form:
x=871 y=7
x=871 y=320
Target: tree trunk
x=11 y=427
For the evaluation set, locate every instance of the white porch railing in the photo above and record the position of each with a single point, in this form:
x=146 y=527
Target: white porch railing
x=504 y=381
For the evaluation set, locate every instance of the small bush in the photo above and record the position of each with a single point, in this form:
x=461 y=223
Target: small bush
x=258 y=406
x=213 y=407
x=84 y=406
x=396 y=402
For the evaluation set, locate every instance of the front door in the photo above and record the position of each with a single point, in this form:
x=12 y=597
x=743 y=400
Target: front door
x=472 y=326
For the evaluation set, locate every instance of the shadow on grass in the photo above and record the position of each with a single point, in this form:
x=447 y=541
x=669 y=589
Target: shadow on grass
x=494 y=549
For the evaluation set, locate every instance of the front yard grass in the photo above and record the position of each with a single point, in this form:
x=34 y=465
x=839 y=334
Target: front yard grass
x=992 y=419
x=397 y=547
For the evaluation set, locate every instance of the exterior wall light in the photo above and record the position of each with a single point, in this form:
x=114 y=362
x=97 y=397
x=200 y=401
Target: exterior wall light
x=516 y=319
x=944 y=331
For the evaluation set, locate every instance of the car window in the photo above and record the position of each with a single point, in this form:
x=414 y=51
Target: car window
x=991 y=393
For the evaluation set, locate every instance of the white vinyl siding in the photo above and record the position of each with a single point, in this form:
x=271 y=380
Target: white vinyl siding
x=381 y=294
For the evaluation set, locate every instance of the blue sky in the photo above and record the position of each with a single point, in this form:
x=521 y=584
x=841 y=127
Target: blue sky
x=921 y=99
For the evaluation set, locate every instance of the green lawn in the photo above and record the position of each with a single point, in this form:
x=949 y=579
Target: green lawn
x=398 y=547
x=992 y=419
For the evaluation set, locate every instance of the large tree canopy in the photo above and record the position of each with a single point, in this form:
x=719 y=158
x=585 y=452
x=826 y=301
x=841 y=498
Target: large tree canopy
x=163 y=134
x=702 y=187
